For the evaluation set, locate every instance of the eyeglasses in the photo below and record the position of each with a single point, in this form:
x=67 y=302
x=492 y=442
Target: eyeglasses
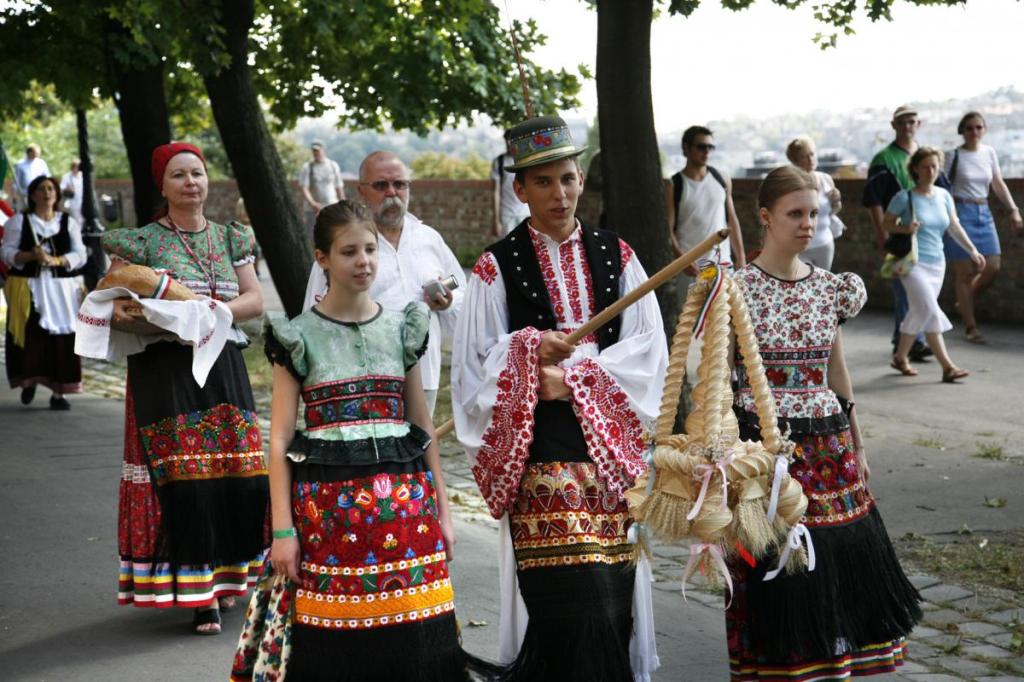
x=704 y=147
x=382 y=185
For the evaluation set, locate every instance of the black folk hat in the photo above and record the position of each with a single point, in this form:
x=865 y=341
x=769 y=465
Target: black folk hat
x=541 y=140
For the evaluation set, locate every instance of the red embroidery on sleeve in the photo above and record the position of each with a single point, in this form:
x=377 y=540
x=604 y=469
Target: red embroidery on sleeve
x=486 y=269
x=614 y=435
x=626 y=252
x=506 y=442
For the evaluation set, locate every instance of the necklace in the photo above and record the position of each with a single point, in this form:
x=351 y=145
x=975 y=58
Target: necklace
x=211 y=274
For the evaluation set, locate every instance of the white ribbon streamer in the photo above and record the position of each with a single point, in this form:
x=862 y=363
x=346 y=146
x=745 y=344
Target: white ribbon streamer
x=781 y=467
x=793 y=539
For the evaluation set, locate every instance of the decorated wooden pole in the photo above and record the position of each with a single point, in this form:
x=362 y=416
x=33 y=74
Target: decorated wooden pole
x=652 y=283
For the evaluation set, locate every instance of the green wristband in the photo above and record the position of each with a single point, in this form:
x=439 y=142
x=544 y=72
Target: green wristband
x=286 y=533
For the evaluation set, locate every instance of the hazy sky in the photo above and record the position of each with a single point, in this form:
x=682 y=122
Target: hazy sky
x=761 y=61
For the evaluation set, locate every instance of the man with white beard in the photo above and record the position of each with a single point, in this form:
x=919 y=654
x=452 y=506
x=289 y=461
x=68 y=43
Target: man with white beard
x=411 y=255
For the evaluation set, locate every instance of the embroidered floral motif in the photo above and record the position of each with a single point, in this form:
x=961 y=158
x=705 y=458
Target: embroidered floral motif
x=564 y=515
x=826 y=467
x=614 y=435
x=221 y=441
x=795 y=324
x=506 y=442
x=356 y=401
x=372 y=552
x=486 y=268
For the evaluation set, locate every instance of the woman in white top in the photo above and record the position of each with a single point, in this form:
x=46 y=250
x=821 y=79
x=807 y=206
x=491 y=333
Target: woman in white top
x=972 y=169
x=43 y=248
x=802 y=153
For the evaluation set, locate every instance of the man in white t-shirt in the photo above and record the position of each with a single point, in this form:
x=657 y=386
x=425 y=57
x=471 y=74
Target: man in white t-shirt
x=320 y=182
x=27 y=170
x=699 y=201
x=508 y=210
x=410 y=255
x=71 y=190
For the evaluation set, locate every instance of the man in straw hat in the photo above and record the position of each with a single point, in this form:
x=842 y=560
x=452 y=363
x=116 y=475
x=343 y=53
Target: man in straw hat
x=556 y=432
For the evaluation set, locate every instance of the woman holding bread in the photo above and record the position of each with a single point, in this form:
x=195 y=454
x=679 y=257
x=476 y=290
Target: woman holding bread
x=43 y=248
x=194 y=492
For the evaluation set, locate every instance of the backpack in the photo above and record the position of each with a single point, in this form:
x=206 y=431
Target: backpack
x=952 y=167
x=677 y=187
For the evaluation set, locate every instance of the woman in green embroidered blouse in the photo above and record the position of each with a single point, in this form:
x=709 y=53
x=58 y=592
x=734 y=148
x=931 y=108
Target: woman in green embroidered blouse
x=194 y=490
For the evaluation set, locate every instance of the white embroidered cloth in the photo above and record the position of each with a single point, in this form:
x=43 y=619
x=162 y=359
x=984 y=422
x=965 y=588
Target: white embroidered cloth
x=204 y=324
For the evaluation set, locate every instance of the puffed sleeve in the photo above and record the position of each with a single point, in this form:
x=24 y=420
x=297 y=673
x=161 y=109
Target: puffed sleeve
x=127 y=245
x=284 y=345
x=241 y=243
x=415 y=332
x=850 y=296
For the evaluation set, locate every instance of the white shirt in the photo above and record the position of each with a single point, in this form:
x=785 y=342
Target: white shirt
x=421 y=256
x=55 y=299
x=974 y=171
x=73 y=205
x=322 y=179
x=511 y=211
x=700 y=212
x=27 y=170
x=823 y=230
x=494 y=379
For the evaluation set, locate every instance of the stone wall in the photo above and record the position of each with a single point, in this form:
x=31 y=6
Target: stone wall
x=856 y=251
x=463 y=211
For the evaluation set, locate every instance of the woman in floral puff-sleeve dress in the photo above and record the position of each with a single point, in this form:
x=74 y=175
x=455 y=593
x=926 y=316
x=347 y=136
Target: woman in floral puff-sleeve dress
x=194 y=494
x=849 y=616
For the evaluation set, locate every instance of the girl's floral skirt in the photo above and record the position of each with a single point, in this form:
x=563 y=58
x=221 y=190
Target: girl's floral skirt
x=849 y=616
x=375 y=601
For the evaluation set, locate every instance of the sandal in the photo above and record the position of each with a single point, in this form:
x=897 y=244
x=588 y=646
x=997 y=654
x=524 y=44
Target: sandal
x=974 y=336
x=903 y=368
x=226 y=603
x=953 y=373
x=203 y=617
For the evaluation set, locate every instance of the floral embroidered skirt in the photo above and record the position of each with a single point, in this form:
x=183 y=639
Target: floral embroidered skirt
x=847 y=617
x=375 y=601
x=575 y=572
x=194 y=494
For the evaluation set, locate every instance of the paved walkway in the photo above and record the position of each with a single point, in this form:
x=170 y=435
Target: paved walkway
x=57 y=573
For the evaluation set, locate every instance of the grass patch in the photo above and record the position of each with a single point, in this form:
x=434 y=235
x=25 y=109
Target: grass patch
x=990 y=451
x=933 y=443
x=994 y=560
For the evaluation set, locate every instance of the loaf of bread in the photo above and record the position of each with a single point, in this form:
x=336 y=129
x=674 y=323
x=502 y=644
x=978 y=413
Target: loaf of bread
x=147 y=283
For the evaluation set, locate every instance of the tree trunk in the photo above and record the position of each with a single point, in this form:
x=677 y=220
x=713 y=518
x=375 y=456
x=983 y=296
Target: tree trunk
x=142 y=109
x=261 y=177
x=633 y=187
x=95 y=267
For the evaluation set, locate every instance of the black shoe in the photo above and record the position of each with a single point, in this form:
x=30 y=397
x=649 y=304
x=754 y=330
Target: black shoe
x=59 y=403
x=27 y=395
x=919 y=352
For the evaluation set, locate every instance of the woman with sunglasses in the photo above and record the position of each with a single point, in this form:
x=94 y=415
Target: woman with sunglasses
x=973 y=169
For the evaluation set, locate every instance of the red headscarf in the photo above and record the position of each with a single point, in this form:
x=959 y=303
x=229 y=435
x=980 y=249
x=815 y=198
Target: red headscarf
x=163 y=154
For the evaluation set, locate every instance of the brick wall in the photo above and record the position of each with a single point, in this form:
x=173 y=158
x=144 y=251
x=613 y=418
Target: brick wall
x=462 y=210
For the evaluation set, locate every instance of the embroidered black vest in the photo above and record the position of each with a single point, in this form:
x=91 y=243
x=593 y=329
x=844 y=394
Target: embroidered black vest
x=60 y=244
x=557 y=435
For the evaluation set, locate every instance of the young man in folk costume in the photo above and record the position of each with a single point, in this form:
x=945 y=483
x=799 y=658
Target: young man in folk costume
x=556 y=432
